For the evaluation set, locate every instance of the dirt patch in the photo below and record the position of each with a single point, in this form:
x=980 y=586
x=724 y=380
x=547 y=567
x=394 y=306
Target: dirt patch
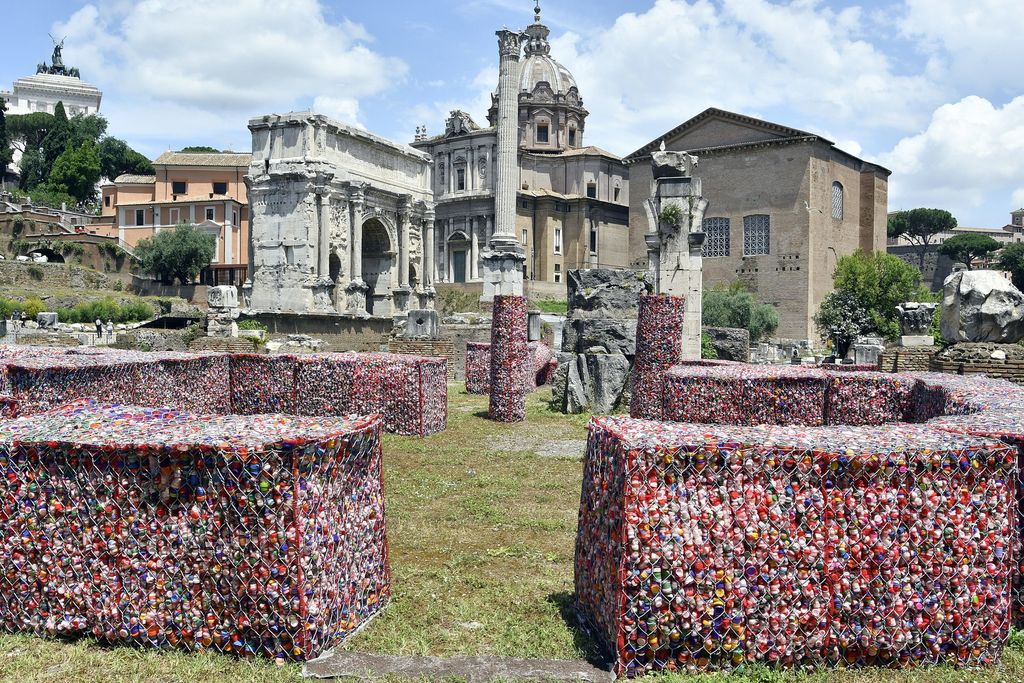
x=472 y=669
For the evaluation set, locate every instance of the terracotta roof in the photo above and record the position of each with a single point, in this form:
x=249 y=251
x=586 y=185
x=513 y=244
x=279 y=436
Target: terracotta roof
x=202 y=159
x=129 y=179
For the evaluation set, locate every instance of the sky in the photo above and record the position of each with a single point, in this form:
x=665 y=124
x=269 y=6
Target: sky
x=931 y=89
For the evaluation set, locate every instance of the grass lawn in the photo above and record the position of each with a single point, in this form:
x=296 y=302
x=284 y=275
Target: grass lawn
x=482 y=522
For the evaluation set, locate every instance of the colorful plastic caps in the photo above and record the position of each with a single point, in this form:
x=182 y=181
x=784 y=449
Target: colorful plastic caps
x=659 y=335
x=259 y=536
x=410 y=391
x=538 y=371
x=509 y=357
x=704 y=547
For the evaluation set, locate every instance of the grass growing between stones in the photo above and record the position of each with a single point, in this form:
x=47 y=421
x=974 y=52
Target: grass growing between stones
x=482 y=523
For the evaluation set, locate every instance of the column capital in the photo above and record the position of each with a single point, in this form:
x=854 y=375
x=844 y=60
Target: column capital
x=357 y=193
x=509 y=43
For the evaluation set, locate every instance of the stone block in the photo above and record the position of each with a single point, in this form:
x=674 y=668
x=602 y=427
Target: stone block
x=730 y=343
x=912 y=340
x=608 y=375
x=612 y=335
x=422 y=324
x=982 y=306
x=533 y=326
x=606 y=292
x=47 y=320
x=222 y=296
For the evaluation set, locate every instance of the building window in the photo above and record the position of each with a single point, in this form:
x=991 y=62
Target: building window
x=234 y=218
x=220 y=188
x=716 y=241
x=593 y=240
x=558 y=272
x=140 y=216
x=592 y=190
x=174 y=216
x=460 y=178
x=558 y=240
x=179 y=187
x=209 y=213
x=616 y=194
x=572 y=137
x=756 y=235
x=106 y=200
x=542 y=132
x=837 y=200
x=525 y=236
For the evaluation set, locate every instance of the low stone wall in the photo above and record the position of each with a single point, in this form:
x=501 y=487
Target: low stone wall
x=437 y=348
x=339 y=333
x=43 y=275
x=1012 y=370
x=912 y=359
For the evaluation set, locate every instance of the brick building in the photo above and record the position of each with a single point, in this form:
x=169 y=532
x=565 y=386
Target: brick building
x=785 y=205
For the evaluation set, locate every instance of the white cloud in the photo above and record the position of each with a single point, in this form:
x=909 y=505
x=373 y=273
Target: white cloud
x=974 y=44
x=971 y=154
x=650 y=71
x=193 y=63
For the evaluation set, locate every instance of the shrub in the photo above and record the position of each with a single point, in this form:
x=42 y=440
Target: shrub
x=840 y=318
x=7 y=307
x=252 y=325
x=33 y=307
x=136 y=311
x=455 y=301
x=117 y=286
x=880 y=282
x=36 y=273
x=707 y=347
x=736 y=307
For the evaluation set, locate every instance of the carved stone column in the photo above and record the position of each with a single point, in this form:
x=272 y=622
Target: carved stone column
x=356 y=286
x=427 y=266
x=504 y=258
x=474 y=249
x=403 y=292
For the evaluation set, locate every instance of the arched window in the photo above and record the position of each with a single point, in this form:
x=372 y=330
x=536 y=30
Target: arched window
x=837 y=200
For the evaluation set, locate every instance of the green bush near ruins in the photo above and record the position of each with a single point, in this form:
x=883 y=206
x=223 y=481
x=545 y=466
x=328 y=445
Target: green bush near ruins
x=482 y=530
x=737 y=307
x=176 y=254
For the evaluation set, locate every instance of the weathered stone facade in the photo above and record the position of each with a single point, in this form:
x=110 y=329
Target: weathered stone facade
x=774 y=186
x=337 y=220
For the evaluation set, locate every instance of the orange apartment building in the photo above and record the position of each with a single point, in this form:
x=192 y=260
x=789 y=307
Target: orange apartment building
x=207 y=190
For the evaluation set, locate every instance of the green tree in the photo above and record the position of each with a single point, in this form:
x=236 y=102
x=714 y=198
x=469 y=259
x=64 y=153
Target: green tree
x=965 y=248
x=879 y=282
x=29 y=130
x=91 y=127
x=6 y=151
x=58 y=138
x=116 y=157
x=736 y=307
x=201 y=149
x=180 y=253
x=840 y=319
x=76 y=172
x=920 y=226
x=1012 y=259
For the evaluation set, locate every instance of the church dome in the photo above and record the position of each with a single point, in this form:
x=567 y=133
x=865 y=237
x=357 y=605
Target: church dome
x=538 y=66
